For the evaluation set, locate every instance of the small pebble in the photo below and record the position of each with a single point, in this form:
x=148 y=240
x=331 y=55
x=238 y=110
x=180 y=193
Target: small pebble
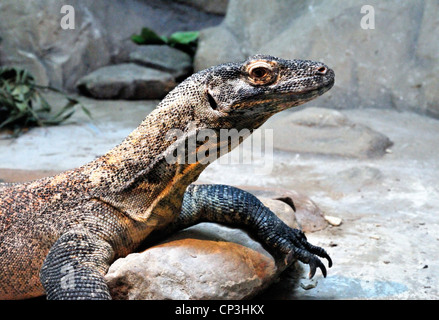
x=335 y=221
x=308 y=283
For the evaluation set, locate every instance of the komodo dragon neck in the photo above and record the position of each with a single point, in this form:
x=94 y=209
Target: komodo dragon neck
x=136 y=177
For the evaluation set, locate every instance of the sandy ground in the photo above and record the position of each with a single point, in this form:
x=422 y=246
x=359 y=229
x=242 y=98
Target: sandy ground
x=386 y=246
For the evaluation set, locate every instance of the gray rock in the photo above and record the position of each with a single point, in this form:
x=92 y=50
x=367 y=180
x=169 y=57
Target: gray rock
x=210 y=38
x=216 y=7
x=206 y=261
x=294 y=208
x=394 y=65
x=327 y=132
x=165 y=58
x=284 y=211
x=126 y=81
x=308 y=284
x=33 y=39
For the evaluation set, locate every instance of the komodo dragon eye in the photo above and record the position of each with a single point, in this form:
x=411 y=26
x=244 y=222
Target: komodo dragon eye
x=261 y=72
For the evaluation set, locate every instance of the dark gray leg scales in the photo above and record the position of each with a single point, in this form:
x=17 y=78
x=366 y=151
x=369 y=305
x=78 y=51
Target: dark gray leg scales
x=74 y=268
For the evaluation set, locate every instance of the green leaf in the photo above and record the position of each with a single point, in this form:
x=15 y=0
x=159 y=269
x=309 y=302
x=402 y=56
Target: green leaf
x=23 y=105
x=53 y=121
x=44 y=105
x=86 y=111
x=137 y=39
x=185 y=37
x=148 y=36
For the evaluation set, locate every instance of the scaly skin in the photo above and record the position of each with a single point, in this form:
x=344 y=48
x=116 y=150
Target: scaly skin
x=58 y=235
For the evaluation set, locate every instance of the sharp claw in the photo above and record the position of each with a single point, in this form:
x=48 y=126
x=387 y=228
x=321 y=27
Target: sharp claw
x=329 y=260
x=307 y=253
x=322 y=267
x=325 y=255
x=312 y=272
x=314 y=264
x=319 y=251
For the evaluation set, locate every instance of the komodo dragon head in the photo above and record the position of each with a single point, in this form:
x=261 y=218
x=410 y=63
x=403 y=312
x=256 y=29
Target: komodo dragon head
x=239 y=95
x=243 y=96
x=246 y=94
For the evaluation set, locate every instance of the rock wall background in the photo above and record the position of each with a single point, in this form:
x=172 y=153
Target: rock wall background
x=393 y=66
x=31 y=35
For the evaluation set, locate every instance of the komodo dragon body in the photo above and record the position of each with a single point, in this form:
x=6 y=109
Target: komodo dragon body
x=58 y=235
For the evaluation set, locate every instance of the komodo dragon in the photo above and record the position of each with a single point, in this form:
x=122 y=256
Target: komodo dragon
x=75 y=224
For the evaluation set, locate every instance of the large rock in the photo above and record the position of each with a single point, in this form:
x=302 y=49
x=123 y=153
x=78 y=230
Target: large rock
x=294 y=208
x=33 y=38
x=162 y=57
x=126 y=81
x=327 y=132
x=394 y=65
x=206 y=261
x=203 y=262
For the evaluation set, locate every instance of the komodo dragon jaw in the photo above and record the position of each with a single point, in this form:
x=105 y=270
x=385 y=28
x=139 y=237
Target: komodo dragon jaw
x=58 y=235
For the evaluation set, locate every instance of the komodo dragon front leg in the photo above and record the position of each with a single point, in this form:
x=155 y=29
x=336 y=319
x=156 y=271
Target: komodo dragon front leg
x=238 y=208
x=75 y=266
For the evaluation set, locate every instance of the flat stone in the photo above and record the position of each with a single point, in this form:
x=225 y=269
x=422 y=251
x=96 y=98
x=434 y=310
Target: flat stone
x=334 y=221
x=162 y=57
x=126 y=81
x=327 y=132
x=217 y=7
x=308 y=284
